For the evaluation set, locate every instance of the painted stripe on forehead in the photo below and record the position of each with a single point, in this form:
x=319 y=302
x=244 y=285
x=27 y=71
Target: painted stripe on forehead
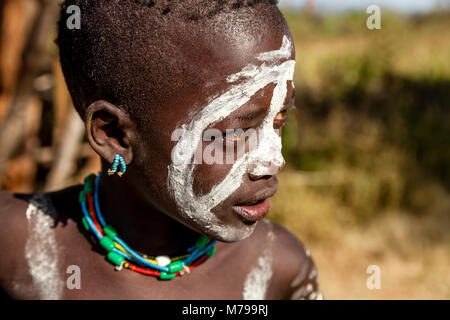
x=238 y=95
x=284 y=52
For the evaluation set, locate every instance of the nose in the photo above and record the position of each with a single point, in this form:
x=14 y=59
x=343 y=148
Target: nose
x=264 y=169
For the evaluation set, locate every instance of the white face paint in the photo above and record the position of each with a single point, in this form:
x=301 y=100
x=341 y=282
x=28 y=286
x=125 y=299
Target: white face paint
x=251 y=79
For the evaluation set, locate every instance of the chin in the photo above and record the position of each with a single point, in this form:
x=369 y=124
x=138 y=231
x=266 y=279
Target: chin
x=227 y=233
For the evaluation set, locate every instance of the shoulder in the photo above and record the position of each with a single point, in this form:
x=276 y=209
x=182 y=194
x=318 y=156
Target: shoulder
x=13 y=209
x=294 y=272
x=28 y=224
x=18 y=211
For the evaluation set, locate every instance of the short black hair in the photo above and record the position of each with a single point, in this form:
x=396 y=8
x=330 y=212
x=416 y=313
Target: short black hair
x=124 y=51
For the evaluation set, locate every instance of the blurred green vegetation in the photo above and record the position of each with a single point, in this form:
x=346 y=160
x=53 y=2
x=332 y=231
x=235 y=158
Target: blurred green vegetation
x=372 y=126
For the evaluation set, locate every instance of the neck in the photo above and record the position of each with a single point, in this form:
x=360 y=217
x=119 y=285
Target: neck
x=138 y=223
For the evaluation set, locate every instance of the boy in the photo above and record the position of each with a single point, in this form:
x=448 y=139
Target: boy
x=149 y=79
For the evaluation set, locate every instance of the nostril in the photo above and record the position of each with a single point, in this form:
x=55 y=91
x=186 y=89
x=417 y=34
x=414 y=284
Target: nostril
x=259 y=177
x=263 y=169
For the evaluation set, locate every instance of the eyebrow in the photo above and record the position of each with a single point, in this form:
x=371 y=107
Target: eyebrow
x=253 y=114
x=261 y=111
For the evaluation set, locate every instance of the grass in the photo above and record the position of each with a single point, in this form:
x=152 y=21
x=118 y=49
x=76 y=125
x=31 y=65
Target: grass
x=368 y=152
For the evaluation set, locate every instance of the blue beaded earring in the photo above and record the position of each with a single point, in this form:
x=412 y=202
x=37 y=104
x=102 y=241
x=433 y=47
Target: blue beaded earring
x=123 y=167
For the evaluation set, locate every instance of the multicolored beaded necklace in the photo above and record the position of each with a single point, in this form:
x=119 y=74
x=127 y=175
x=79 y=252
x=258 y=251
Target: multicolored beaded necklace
x=122 y=256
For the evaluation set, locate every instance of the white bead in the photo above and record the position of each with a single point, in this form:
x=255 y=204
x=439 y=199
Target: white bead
x=163 y=261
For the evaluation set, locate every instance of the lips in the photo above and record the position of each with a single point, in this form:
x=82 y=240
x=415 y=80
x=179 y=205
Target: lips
x=253 y=212
x=256 y=208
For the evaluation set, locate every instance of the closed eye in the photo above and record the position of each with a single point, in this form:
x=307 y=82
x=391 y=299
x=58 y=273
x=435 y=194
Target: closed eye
x=282 y=117
x=235 y=135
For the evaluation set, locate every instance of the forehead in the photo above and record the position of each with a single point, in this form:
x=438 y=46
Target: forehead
x=246 y=74
x=268 y=67
x=232 y=39
x=210 y=51
x=207 y=59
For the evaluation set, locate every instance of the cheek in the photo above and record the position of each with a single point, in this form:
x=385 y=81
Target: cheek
x=207 y=176
x=214 y=167
x=152 y=155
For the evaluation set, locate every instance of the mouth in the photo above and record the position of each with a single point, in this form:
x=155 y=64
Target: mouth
x=256 y=208
x=251 y=213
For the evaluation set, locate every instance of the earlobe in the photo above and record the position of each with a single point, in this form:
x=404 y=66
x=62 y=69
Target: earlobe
x=109 y=130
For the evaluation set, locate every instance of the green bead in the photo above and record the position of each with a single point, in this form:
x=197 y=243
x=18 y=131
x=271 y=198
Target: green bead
x=82 y=197
x=90 y=178
x=109 y=231
x=89 y=183
x=85 y=223
x=115 y=258
x=175 y=266
x=201 y=242
x=89 y=188
x=166 y=276
x=210 y=252
x=107 y=243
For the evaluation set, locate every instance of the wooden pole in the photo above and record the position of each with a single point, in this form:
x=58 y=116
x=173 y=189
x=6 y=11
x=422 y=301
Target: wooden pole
x=36 y=58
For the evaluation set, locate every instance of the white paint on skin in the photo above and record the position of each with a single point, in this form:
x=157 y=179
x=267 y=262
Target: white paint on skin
x=41 y=253
x=309 y=289
x=300 y=277
x=298 y=294
x=249 y=80
x=305 y=292
x=258 y=280
x=313 y=274
x=309 y=294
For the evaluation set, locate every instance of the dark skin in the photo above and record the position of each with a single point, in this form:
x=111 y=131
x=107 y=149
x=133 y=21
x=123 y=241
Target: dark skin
x=142 y=210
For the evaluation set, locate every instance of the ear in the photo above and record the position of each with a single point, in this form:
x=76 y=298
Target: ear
x=109 y=130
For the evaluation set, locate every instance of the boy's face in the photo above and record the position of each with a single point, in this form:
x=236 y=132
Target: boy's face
x=211 y=155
